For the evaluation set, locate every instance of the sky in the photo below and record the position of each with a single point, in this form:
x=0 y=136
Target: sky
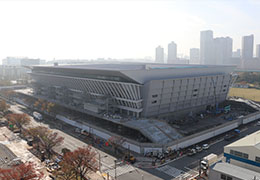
x=85 y=29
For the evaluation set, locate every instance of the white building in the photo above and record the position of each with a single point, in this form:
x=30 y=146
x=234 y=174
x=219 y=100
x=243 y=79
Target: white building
x=22 y=61
x=206 y=47
x=237 y=53
x=172 y=53
x=222 y=50
x=194 y=56
x=247 y=47
x=226 y=171
x=258 y=50
x=159 y=55
x=245 y=152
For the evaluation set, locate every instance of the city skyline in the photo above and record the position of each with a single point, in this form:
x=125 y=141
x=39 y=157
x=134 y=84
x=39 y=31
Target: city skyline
x=76 y=30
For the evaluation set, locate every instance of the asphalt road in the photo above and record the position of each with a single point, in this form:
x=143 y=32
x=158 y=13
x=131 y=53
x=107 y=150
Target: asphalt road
x=183 y=164
x=192 y=162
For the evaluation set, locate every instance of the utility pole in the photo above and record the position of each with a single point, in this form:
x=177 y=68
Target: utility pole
x=115 y=169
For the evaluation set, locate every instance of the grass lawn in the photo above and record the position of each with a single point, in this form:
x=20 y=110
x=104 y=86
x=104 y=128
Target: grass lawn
x=253 y=94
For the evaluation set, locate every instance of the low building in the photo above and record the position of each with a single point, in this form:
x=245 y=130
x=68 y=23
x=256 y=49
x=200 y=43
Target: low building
x=226 y=171
x=245 y=152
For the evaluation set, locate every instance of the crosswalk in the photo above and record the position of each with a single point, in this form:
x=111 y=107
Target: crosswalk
x=177 y=173
x=171 y=171
x=120 y=170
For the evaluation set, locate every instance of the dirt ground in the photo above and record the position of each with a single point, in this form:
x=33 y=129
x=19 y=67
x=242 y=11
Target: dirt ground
x=252 y=94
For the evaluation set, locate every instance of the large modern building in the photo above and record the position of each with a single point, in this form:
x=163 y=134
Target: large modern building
x=247 y=47
x=245 y=152
x=159 y=55
x=137 y=89
x=172 y=53
x=206 y=47
x=222 y=50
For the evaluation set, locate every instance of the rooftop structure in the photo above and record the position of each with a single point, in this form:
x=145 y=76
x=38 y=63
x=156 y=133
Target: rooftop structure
x=225 y=170
x=6 y=156
x=245 y=152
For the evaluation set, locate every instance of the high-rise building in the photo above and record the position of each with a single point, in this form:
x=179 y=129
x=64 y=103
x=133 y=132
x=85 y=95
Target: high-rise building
x=172 y=53
x=222 y=50
x=237 y=53
x=194 y=56
x=159 y=55
x=258 y=50
x=247 y=47
x=206 y=47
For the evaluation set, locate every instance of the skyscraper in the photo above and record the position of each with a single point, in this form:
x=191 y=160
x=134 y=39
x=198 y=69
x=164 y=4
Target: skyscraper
x=236 y=54
x=206 y=47
x=247 y=47
x=172 y=53
x=194 y=56
x=258 y=50
x=222 y=50
x=159 y=55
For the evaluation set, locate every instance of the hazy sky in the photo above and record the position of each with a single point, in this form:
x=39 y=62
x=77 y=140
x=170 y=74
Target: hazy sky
x=119 y=29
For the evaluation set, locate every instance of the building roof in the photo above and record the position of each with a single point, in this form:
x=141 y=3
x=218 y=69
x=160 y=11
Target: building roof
x=142 y=72
x=250 y=140
x=236 y=171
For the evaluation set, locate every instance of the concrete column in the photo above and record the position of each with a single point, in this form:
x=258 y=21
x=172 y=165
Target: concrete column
x=137 y=114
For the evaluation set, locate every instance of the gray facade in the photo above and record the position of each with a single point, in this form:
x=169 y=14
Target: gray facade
x=134 y=89
x=247 y=47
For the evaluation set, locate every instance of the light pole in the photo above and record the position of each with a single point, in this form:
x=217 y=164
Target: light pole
x=115 y=169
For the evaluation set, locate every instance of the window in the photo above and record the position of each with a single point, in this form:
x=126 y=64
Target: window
x=224 y=90
x=225 y=85
x=223 y=176
x=239 y=154
x=153 y=102
x=229 y=178
x=257 y=159
x=195 y=90
x=194 y=95
x=155 y=95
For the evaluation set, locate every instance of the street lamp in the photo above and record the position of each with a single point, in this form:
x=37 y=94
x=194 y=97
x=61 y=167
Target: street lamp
x=115 y=168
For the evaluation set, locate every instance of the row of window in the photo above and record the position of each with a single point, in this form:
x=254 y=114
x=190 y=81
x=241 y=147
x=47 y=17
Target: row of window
x=195 y=91
x=239 y=154
x=225 y=177
x=209 y=79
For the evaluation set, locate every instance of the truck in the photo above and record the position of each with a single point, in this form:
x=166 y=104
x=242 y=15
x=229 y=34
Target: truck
x=208 y=161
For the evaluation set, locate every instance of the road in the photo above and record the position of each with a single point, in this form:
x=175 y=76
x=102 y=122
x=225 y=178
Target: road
x=123 y=171
x=187 y=164
x=182 y=167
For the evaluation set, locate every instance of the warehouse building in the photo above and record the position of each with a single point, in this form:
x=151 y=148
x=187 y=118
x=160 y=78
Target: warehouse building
x=245 y=152
x=226 y=171
x=134 y=89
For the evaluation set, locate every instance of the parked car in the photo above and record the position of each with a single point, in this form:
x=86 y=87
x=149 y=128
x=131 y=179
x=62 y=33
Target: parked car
x=191 y=152
x=205 y=146
x=258 y=123
x=198 y=148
